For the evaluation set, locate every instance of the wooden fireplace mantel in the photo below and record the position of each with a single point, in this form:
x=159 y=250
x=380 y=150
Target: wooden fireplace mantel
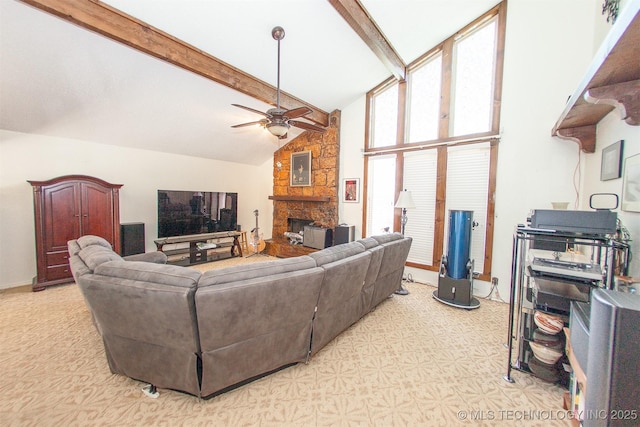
x=300 y=198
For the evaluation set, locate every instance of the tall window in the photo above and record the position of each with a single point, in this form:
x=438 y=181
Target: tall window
x=474 y=73
x=380 y=216
x=385 y=117
x=445 y=149
x=424 y=102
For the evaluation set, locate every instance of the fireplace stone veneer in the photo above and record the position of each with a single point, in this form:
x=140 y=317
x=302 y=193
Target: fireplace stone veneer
x=318 y=201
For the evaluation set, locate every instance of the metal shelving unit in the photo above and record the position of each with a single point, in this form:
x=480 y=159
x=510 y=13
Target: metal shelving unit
x=598 y=254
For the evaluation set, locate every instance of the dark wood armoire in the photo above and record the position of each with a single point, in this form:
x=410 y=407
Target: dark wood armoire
x=66 y=208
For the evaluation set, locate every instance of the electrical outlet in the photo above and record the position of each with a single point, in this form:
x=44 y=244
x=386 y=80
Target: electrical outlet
x=494 y=288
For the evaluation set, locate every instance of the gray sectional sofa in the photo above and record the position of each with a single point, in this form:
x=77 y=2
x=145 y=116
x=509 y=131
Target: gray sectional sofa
x=203 y=333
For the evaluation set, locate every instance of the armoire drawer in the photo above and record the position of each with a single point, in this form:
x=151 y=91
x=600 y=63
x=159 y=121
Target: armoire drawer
x=57 y=258
x=58 y=272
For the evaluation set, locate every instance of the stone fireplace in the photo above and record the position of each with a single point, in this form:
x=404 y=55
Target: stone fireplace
x=318 y=202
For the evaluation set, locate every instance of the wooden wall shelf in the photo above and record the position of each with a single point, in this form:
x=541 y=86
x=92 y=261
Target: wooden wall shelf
x=613 y=79
x=300 y=198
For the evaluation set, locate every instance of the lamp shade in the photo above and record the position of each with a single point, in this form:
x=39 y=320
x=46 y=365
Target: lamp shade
x=278 y=128
x=405 y=200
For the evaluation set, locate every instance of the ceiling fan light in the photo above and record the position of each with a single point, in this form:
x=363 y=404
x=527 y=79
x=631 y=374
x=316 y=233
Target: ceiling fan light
x=278 y=129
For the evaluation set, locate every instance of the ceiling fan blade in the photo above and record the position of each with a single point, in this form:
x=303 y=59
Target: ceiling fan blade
x=257 y=122
x=262 y=113
x=306 y=126
x=298 y=112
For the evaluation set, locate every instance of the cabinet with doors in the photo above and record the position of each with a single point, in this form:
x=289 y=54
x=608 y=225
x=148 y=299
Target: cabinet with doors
x=66 y=208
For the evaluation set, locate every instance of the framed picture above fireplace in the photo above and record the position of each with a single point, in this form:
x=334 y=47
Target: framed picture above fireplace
x=300 y=174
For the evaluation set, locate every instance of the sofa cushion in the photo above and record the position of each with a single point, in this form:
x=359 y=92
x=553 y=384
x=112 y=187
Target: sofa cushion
x=389 y=237
x=95 y=255
x=336 y=253
x=155 y=257
x=146 y=316
x=250 y=327
x=89 y=240
x=239 y=273
x=391 y=268
x=78 y=267
x=150 y=272
x=340 y=303
x=73 y=247
x=368 y=242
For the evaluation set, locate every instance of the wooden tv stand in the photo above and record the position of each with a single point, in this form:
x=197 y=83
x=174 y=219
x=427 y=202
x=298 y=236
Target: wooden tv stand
x=204 y=247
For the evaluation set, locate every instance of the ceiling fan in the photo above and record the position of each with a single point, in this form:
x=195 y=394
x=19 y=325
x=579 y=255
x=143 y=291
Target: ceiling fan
x=278 y=121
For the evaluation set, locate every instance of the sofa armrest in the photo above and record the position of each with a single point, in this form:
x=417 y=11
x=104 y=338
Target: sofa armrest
x=156 y=257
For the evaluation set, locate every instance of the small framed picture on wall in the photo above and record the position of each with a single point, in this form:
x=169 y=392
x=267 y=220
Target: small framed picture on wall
x=611 y=166
x=351 y=190
x=631 y=184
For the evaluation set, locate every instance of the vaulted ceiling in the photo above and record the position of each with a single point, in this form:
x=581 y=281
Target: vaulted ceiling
x=60 y=79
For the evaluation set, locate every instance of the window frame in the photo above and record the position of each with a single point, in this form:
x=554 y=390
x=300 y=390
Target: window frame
x=446 y=48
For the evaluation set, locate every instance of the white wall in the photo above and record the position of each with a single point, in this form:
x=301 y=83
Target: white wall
x=352 y=161
x=548 y=49
x=33 y=157
x=549 y=45
x=610 y=130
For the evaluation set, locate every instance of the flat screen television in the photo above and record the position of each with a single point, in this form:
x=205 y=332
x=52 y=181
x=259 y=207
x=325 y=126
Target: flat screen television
x=182 y=213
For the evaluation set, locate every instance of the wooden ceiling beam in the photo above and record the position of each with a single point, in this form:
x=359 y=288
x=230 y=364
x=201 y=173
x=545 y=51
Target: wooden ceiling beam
x=357 y=17
x=117 y=25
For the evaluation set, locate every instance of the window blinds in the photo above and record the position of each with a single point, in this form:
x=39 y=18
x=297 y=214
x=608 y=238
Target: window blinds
x=467 y=188
x=420 y=174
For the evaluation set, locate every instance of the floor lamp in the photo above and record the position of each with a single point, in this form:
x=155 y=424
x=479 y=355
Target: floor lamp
x=404 y=202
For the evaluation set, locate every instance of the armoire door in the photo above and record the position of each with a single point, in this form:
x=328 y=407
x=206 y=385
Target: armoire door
x=97 y=207
x=61 y=210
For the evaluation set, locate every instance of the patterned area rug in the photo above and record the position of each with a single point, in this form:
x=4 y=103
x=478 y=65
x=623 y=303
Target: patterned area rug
x=411 y=362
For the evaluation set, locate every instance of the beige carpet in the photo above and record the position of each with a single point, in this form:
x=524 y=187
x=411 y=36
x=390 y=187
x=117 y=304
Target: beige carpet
x=411 y=362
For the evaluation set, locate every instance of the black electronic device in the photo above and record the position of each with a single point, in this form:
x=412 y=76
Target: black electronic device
x=182 y=213
x=555 y=294
x=613 y=389
x=344 y=233
x=600 y=222
x=132 y=238
x=582 y=271
x=579 y=332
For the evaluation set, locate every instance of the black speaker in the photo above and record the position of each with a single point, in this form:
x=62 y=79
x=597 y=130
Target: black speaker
x=613 y=390
x=344 y=234
x=132 y=238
